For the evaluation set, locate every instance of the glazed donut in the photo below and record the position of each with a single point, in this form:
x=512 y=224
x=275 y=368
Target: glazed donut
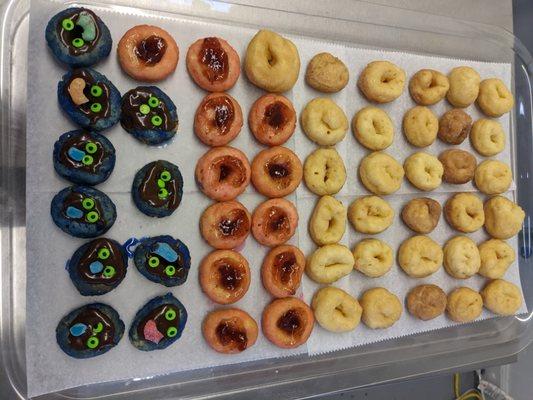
x=272 y=119
x=274 y=222
x=428 y=87
x=381 y=81
x=224 y=276
x=493 y=177
x=324 y=171
x=225 y=225
x=380 y=173
x=503 y=218
x=424 y=171
x=461 y=257
x=373 y=128
x=272 y=62
x=287 y=322
x=372 y=257
x=148 y=53
x=223 y=173
x=282 y=270
x=454 y=126
x=276 y=172
x=324 y=122
x=420 y=126
x=213 y=64
x=335 y=310
x=464 y=86
x=329 y=263
x=381 y=308
x=229 y=330
x=370 y=214
x=328 y=221
x=464 y=212
x=494 y=98
x=421 y=214
x=218 y=119
x=464 y=304
x=459 y=166
x=420 y=256
x=487 y=137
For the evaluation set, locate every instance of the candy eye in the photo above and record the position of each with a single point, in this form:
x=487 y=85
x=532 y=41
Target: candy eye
x=156 y=120
x=78 y=42
x=96 y=107
x=98 y=328
x=109 y=271
x=87 y=159
x=104 y=253
x=161 y=183
x=153 y=101
x=162 y=194
x=170 y=270
x=92 y=216
x=67 y=24
x=91 y=147
x=165 y=176
x=172 y=331
x=153 y=262
x=87 y=203
x=96 y=90
x=170 y=315
x=144 y=109
x=93 y=342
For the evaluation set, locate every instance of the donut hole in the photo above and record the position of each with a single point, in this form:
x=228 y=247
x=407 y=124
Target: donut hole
x=284 y=267
x=388 y=76
x=150 y=50
x=234 y=223
x=220 y=112
x=291 y=323
x=232 y=334
x=230 y=274
x=230 y=170
x=277 y=221
x=276 y=114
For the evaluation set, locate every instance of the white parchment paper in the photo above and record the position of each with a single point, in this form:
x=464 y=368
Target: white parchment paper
x=50 y=293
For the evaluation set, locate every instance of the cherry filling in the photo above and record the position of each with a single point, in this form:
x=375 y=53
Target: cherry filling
x=229 y=334
x=230 y=276
x=231 y=170
x=285 y=266
x=279 y=170
x=223 y=112
x=214 y=59
x=234 y=224
x=276 y=114
x=290 y=322
x=151 y=49
x=277 y=221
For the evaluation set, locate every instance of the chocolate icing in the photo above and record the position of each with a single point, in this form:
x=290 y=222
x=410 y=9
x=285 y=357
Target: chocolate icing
x=66 y=37
x=223 y=112
x=160 y=269
x=149 y=189
x=290 y=322
x=103 y=99
x=91 y=317
x=133 y=119
x=79 y=141
x=151 y=50
x=229 y=333
x=91 y=254
x=158 y=316
x=75 y=199
x=215 y=60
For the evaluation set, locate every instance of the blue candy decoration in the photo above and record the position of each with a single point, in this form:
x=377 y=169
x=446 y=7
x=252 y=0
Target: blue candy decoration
x=96 y=267
x=164 y=250
x=78 y=329
x=73 y=212
x=75 y=154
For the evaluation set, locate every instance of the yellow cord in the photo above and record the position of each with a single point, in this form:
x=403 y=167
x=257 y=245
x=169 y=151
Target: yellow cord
x=472 y=394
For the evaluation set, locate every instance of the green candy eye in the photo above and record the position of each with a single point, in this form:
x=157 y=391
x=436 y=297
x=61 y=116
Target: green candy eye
x=153 y=262
x=96 y=90
x=156 y=120
x=144 y=109
x=67 y=24
x=165 y=176
x=104 y=253
x=172 y=331
x=96 y=107
x=93 y=342
x=109 y=271
x=92 y=216
x=87 y=159
x=170 y=315
x=78 y=42
x=87 y=203
x=163 y=193
x=161 y=183
x=170 y=270
x=91 y=147
x=153 y=101
x=98 y=328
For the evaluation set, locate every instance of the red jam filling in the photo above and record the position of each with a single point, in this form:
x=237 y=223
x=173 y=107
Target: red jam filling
x=228 y=334
x=214 y=59
x=151 y=49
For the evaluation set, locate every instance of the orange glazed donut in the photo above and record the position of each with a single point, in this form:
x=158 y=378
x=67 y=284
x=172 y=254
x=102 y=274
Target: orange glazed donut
x=287 y=322
x=224 y=276
x=272 y=119
x=282 y=270
x=223 y=173
x=218 y=119
x=213 y=64
x=274 y=222
x=148 y=53
x=225 y=225
x=229 y=330
x=276 y=172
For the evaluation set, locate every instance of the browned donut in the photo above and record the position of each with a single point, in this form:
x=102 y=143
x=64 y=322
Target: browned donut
x=272 y=119
x=459 y=166
x=282 y=270
x=229 y=330
x=225 y=225
x=454 y=126
x=274 y=222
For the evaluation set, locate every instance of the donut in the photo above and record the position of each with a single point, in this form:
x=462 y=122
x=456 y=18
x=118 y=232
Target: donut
x=213 y=64
x=373 y=128
x=503 y=218
x=370 y=214
x=372 y=257
x=335 y=310
x=464 y=86
x=287 y=322
x=276 y=172
x=324 y=171
x=328 y=221
x=274 y=222
x=496 y=257
x=426 y=302
x=461 y=257
x=493 y=177
x=147 y=53
x=329 y=263
x=487 y=137
x=464 y=304
x=272 y=119
x=326 y=73
x=272 y=62
x=282 y=270
x=421 y=214
x=380 y=173
x=381 y=81
x=494 y=98
x=223 y=173
x=464 y=212
x=501 y=297
x=218 y=119
x=454 y=126
x=423 y=170
x=225 y=225
x=381 y=308
x=229 y=330
x=78 y=37
x=420 y=126
x=428 y=87
x=420 y=256
x=324 y=122
x=459 y=166
x=224 y=276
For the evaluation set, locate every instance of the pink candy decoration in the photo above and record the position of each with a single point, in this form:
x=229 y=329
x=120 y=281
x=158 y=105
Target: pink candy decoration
x=151 y=333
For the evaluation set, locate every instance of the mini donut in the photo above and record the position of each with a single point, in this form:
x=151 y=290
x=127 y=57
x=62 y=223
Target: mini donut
x=218 y=119
x=420 y=126
x=373 y=128
x=229 y=330
x=501 y=297
x=464 y=212
x=464 y=304
x=459 y=166
x=276 y=172
x=487 y=137
x=464 y=86
x=282 y=270
x=335 y=310
x=420 y=256
x=272 y=62
x=380 y=173
x=428 y=86
x=148 y=53
x=328 y=221
x=454 y=126
x=426 y=302
x=225 y=225
x=503 y=218
x=370 y=214
x=493 y=177
x=372 y=257
x=324 y=122
x=324 y=171
x=224 y=276
x=329 y=263
x=287 y=322
x=381 y=81
x=381 y=308
x=424 y=171
x=213 y=64
x=223 y=173
x=272 y=119
x=326 y=73
x=496 y=257
x=461 y=257
x=421 y=214
x=274 y=222
x=494 y=98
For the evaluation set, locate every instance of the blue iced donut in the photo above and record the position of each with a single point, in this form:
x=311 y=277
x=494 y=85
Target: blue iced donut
x=83 y=211
x=149 y=115
x=84 y=157
x=97 y=267
x=89 y=331
x=157 y=188
x=163 y=259
x=89 y=99
x=158 y=324
x=78 y=37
